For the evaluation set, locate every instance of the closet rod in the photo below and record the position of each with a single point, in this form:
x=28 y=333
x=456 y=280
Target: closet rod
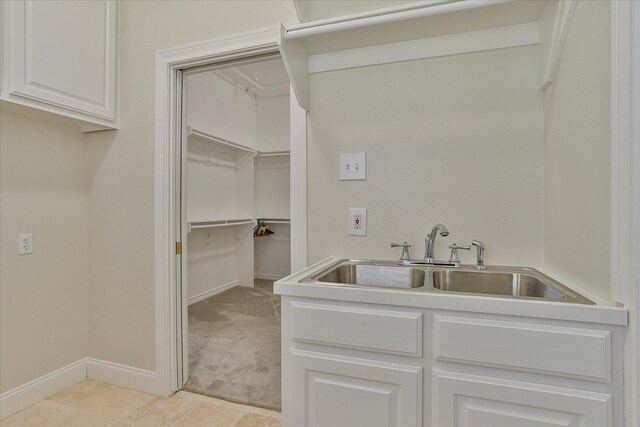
x=273 y=153
x=223 y=224
x=275 y=221
x=212 y=138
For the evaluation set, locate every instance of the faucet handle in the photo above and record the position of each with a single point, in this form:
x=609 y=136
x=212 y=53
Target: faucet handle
x=453 y=258
x=405 y=250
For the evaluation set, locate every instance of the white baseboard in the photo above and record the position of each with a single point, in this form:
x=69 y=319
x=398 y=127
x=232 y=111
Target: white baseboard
x=268 y=276
x=204 y=295
x=27 y=394
x=122 y=375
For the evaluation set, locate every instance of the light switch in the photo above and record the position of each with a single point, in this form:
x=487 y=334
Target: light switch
x=353 y=166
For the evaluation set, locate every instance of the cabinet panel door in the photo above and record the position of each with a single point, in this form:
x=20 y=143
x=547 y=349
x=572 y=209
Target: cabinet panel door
x=555 y=350
x=328 y=390
x=64 y=53
x=397 y=332
x=463 y=400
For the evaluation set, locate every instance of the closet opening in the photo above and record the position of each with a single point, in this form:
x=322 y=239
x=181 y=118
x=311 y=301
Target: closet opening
x=236 y=216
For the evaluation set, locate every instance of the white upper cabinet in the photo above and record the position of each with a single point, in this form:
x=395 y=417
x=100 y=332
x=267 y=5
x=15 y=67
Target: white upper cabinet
x=60 y=57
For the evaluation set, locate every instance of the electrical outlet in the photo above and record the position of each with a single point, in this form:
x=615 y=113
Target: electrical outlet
x=357 y=225
x=353 y=166
x=25 y=244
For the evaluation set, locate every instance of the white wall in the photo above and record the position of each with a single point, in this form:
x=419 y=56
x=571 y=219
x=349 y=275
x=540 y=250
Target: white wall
x=272 y=259
x=272 y=174
x=211 y=259
x=456 y=140
x=214 y=107
x=218 y=257
x=271 y=191
x=43 y=296
x=273 y=123
x=215 y=189
x=577 y=154
x=272 y=254
x=121 y=275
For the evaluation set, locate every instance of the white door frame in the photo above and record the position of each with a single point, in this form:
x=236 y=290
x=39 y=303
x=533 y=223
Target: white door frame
x=169 y=64
x=625 y=188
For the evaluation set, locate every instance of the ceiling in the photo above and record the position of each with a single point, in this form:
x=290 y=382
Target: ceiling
x=264 y=78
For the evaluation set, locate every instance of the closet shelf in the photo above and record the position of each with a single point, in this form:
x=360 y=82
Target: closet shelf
x=353 y=40
x=249 y=152
x=219 y=223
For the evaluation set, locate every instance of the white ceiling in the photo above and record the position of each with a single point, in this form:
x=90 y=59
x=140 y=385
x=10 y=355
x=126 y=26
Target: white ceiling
x=265 y=73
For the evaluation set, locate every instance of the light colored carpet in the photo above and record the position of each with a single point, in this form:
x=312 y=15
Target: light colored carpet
x=234 y=346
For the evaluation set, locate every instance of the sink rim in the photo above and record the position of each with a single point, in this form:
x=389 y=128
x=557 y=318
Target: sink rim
x=570 y=296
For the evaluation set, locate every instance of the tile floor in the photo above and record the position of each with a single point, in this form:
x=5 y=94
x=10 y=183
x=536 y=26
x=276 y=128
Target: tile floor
x=97 y=404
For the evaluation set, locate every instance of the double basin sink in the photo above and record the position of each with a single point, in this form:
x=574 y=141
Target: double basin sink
x=504 y=282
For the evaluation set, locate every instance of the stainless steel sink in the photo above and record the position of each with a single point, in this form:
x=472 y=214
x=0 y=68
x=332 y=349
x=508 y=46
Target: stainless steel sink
x=501 y=282
x=488 y=282
x=375 y=275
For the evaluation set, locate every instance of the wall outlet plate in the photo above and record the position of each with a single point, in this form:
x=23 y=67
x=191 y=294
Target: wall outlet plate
x=25 y=244
x=357 y=222
x=353 y=166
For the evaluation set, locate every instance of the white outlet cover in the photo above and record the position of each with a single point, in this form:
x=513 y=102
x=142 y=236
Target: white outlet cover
x=357 y=229
x=25 y=244
x=353 y=166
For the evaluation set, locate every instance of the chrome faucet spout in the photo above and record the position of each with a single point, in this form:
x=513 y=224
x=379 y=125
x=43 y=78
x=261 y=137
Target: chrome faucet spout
x=429 y=242
x=480 y=254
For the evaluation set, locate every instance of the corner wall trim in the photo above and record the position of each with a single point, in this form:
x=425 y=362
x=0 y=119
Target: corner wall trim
x=121 y=375
x=27 y=394
x=211 y=292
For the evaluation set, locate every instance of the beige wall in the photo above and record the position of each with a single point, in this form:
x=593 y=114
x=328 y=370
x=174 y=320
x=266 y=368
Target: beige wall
x=577 y=154
x=456 y=140
x=43 y=296
x=121 y=269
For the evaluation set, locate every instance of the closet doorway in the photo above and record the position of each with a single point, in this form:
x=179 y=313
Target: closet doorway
x=236 y=169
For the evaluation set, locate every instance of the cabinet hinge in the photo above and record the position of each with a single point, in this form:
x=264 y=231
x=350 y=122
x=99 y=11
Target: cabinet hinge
x=178 y=248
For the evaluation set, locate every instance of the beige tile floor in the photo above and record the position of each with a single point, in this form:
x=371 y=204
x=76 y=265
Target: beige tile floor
x=97 y=404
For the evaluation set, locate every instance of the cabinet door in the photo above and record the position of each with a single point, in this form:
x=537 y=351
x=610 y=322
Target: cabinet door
x=62 y=54
x=463 y=400
x=323 y=390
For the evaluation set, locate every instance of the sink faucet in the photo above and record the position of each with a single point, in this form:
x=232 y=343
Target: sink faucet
x=430 y=241
x=480 y=254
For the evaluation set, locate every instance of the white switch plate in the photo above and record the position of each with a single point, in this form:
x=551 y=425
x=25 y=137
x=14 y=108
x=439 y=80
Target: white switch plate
x=25 y=244
x=353 y=166
x=357 y=225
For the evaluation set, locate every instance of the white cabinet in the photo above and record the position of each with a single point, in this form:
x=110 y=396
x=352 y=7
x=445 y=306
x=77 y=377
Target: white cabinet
x=349 y=362
x=462 y=400
x=335 y=391
x=60 y=57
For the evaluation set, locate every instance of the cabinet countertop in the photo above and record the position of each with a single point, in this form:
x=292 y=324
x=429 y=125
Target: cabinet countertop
x=599 y=313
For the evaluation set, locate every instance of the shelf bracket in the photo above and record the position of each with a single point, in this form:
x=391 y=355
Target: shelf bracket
x=296 y=61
